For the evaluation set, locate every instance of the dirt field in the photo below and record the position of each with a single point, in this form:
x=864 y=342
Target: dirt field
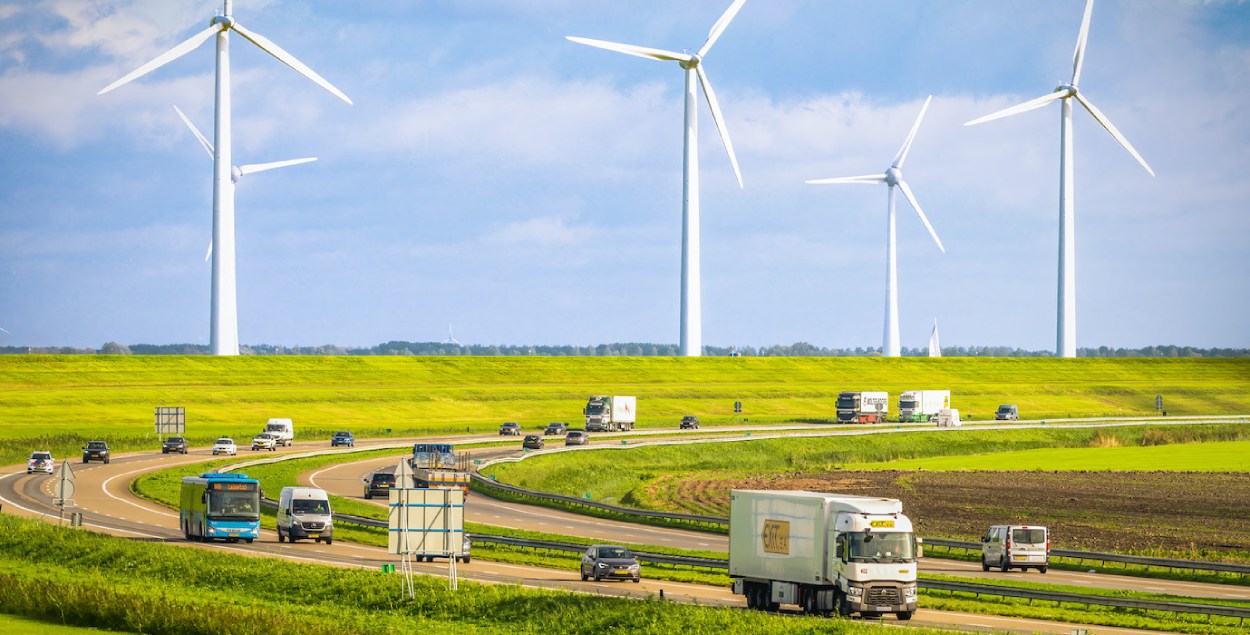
x=1202 y=514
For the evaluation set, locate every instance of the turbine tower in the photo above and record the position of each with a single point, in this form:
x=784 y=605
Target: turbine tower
x=1065 y=345
x=224 y=322
x=692 y=64
x=236 y=171
x=893 y=177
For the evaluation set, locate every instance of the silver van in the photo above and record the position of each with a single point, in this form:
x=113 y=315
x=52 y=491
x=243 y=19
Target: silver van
x=304 y=512
x=1016 y=546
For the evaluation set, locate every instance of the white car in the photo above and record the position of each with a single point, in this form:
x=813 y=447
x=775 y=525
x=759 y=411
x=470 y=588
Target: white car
x=40 y=461
x=225 y=445
x=265 y=441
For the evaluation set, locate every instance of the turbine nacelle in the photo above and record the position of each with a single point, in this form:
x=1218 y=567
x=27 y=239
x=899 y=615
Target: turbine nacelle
x=1068 y=90
x=893 y=176
x=226 y=21
x=235 y=174
x=691 y=63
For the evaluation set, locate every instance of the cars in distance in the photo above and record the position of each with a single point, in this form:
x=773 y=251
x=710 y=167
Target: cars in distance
x=610 y=562
x=1016 y=546
x=379 y=484
x=225 y=445
x=343 y=438
x=556 y=427
x=689 y=422
x=265 y=441
x=304 y=512
x=576 y=437
x=533 y=442
x=40 y=461
x=510 y=428
x=95 y=451
x=1007 y=412
x=174 y=444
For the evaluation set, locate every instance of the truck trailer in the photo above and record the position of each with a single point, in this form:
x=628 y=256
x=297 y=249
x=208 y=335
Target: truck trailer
x=822 y=552
x=922 y=405
x=610 y=414
x=438 y=465
x=863 y=407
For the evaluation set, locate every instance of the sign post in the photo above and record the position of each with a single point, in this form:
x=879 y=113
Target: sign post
x=63 y=490
x=425 y=523
x=170 y=420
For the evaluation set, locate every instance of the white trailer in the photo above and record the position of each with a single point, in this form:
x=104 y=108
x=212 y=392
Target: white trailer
x=610 y=414
x=822 y=552
x=922 y=405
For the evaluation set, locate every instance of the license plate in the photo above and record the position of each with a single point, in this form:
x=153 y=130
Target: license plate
x=314 y=536
x=622 y=571
x=1021 y=557
x=884 y=609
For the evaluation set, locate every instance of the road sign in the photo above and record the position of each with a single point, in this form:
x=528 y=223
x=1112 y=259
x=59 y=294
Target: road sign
x=403 y=474
x=64 y=489
x=1158 y=402
x=65 y=472
x=171 y=420
x=737 y=407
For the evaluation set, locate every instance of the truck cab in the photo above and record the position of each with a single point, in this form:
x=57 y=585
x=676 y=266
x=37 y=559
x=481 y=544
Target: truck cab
x=875 y=564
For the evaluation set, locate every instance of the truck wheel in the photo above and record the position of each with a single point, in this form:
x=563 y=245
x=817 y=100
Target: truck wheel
x=903 y=616
x=329 y=540
x=844 y=605
x=1042 y=569
x=985 y=566
x=1005 y=565
x=809 y=601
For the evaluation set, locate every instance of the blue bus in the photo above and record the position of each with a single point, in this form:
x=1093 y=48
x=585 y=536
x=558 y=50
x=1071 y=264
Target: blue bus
x=225 y=506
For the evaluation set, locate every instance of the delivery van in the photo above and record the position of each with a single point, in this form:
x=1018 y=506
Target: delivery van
x=1016 y=546
x=304 y=512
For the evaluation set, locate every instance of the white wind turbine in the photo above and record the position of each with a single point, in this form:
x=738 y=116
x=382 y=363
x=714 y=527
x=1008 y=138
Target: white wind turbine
x=224 y=324
x=692 y=64
x=236 y=171
x=893 y=177
x=1066 y=330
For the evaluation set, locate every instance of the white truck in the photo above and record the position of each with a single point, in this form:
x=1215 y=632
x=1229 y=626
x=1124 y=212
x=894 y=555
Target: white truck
x=822 y=552
x=922 y=405
x=283 y=431
x=609 y=414
x=863 y=407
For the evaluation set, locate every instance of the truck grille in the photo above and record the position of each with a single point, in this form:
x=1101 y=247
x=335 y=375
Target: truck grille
x=883 y=596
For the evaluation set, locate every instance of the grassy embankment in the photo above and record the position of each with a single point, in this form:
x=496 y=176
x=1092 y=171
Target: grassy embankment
x=58 y=402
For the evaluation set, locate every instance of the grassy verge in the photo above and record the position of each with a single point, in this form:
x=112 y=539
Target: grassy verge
x=15 y=625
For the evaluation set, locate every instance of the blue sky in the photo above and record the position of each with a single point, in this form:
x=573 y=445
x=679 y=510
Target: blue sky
x=524 y=189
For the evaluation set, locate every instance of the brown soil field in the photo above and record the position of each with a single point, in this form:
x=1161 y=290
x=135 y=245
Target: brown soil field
x=1206 y=515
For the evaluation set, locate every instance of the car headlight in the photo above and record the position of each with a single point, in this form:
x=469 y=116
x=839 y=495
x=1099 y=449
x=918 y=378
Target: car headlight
x=633 y=567
x=909 y=591
x=855 y=591
x=602 y=565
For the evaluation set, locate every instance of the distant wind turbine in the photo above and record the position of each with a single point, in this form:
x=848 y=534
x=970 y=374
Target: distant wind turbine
x=935 y=348
x=224 y=326
x=893 y=177
x=692 y=64
x=1065 y=345
x=451 y=337
x=5 y=331
x=236 y=172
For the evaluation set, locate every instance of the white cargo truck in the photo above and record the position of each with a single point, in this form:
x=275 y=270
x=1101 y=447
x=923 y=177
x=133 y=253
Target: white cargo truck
x=863 y=407
x=822 y=552
x=283 y=430
x=609 y=414
x=922 y=405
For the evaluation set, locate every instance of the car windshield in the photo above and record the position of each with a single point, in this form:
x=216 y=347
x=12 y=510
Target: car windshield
x=342 y=434
x=614 y=552
x=882 y=547
x=97 y=445
x=173 y=440
x=41 y=456
x=1004 y=409
x=225 y=441
x=1033 y=536
x=308 y=506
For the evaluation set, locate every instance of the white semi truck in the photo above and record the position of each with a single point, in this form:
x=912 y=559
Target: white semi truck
x=609 y=414
x=863 y=407
x=922 y=405
x=822 y=552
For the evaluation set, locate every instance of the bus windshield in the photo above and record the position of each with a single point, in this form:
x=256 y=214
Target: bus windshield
x=223 y=505
x=882 y=547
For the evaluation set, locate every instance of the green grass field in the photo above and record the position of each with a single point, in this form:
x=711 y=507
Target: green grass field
x=57 y=402
x=1231 y=456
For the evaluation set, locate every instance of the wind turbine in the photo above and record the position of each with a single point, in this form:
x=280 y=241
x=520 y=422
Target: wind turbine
x=692 y=64
x=224 y=323
x=893 y=177
x=1066 y=330
x=236 y=171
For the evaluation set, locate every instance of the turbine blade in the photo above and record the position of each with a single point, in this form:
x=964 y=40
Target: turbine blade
x=1017 y=109
x=261 y=167
x=286 y=58
x=209 y=254
x=208 y=147
x=911 y=198
x=1106 y=123
x=719 y=119
x=867 y=178
x=911 y=136
x=631 y=49
x=1078 y=56
x=720 y=26
x=166 y=57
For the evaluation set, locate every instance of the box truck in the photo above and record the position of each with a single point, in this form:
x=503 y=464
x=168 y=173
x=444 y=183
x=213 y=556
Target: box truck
x=863 y=407
x=822 y=552
x=922 y=405
x=609 y=414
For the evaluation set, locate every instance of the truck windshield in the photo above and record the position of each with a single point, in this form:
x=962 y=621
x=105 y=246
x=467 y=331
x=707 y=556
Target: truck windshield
x=846 y=403
x=882 y=547
x=594 y=409
x=307 y=506
x=906 y=404
x=224 y=505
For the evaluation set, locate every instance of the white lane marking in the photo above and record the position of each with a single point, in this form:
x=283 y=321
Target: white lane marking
x=105 y=487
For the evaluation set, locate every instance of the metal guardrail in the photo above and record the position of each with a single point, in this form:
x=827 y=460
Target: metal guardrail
x=1168 y=563
x=582 y=502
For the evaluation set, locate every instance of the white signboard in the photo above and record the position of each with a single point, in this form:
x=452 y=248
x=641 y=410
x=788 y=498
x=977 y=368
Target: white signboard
x=426 y=522
x=171 y=420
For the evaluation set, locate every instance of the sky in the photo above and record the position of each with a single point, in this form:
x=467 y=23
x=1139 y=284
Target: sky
x=496 y=179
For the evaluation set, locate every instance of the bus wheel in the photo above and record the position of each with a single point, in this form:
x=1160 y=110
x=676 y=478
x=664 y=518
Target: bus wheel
x=249 y=540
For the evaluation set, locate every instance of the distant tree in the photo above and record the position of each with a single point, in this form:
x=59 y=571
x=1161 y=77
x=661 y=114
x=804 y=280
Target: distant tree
x=113 y=348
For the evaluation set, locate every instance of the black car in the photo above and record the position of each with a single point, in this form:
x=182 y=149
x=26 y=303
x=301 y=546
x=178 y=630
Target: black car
x=174 y=444
x=556 y=427
x=343 y=438
x=610 y=562
x=96 y=451
x=689 y=422
x=510 y=428
x=533 y=442
x=379 y=484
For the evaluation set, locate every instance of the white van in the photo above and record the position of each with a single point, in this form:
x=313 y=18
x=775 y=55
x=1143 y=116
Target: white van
x=283 y=430
x=304 y=512
x=1018 y=546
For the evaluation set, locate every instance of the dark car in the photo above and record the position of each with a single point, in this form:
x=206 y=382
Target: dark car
x=96 y=451
x=343 y=438
x=533 y=442
x=576 y=437
x=510 y=428
x=379 y=484
x=556 y=427
x=174 y=444
x=610 y=562
x=689 y=422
